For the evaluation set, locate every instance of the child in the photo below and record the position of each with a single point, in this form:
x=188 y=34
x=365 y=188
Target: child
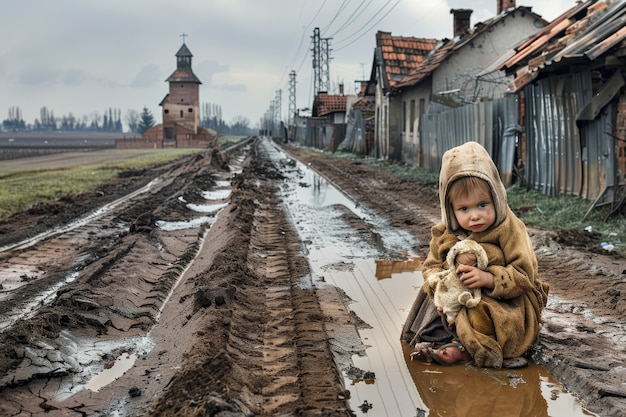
x=505 y=324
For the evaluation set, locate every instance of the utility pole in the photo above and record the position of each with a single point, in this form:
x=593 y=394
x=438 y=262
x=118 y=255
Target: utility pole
x=317 y=76
x=292 y=100
x=321 y=62
x=325 y=83
x=278 y=111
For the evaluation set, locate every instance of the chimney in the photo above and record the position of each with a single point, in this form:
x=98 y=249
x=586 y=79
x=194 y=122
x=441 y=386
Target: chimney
x=504 y=5
x=363 y=87
x=461 y=20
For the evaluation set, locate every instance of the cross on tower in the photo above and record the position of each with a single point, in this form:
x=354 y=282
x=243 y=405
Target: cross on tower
x=184 y=35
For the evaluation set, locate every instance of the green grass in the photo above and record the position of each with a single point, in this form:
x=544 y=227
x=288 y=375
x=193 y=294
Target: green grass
x=21 y=190
x=230 y=139
x=568 y=213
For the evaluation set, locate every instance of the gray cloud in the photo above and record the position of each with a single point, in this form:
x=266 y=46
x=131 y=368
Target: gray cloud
x=148 y=76
x=37 y=76
x=238 y=88
x=205 y=70
x=72 y=77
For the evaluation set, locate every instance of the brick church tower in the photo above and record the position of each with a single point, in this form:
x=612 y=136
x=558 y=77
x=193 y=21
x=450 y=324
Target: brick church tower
x=181 y=106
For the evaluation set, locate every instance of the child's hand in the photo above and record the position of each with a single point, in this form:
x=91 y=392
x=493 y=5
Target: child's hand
x=473 y=277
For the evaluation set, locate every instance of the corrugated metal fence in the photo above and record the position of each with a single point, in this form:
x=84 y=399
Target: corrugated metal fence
x=493 y=124
x=566 y=157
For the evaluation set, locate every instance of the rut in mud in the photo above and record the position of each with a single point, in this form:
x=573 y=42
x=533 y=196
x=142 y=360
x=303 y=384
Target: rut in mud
x=220 y=307
x=136 y=310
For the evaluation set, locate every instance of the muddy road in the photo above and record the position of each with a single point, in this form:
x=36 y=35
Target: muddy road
x=241 y=282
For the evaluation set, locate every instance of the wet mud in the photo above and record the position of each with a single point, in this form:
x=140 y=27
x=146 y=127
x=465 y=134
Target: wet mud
x=206 y=287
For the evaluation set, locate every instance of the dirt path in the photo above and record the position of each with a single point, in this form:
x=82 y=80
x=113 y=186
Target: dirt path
x=215 y=319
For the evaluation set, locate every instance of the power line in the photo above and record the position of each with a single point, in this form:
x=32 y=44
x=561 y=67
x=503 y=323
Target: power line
x=366 y=23
x=356 y=13
x=298 y=50
x=337 y=13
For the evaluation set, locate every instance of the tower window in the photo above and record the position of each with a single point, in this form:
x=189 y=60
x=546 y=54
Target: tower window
x=181 y=113
x=190 y=110
x=166 y=111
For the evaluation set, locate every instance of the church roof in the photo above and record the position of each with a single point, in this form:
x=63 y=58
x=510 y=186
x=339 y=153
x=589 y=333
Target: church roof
x=184 y=51
x=181 y=75
x=183 y=72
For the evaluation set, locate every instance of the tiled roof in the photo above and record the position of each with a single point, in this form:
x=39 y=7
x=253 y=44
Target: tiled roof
x=447 y=47
x=583 y=33
x=326 y=104
x=183 y=75
x=401 y=54
x=429 y=65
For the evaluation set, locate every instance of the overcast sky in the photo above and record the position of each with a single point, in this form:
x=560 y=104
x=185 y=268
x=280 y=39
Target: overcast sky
x=84 y=57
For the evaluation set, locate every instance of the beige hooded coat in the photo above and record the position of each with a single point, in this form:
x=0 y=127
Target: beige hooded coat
x=506 y=322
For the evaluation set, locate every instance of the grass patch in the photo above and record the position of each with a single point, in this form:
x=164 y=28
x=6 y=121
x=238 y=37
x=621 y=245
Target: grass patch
x=21 y=190
x=230 y=139
x=567 y=213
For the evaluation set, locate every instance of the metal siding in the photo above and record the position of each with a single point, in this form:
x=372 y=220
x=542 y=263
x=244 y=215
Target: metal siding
x=558 y=162
x=493 y=124
x=599 y=156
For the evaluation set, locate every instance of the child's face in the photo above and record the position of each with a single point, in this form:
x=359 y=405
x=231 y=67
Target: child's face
x=474 y=212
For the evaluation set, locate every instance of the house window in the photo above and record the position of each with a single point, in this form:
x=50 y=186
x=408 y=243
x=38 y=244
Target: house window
x=404 y=121
x=412 y=109
x=422 y=107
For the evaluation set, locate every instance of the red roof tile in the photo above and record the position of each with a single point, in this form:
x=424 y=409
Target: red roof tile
x=401 y=54
x=326 y=104
x=447 y=47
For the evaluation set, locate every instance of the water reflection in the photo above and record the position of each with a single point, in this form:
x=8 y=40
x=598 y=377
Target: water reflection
x=385 y=267
x=467 y=391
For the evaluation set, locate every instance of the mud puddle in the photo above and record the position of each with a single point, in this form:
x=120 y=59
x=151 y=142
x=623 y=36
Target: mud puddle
x=81 y=361
x=130 y=353
x=373 y=266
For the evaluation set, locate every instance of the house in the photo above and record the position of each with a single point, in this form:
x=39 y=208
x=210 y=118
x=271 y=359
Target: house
x=449 y=74
x=394 y=58
x=569 y=78
x=327 y=127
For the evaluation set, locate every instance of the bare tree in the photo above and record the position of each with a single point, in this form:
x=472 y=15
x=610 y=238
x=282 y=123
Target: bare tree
x=95 y=119
x=132 y=120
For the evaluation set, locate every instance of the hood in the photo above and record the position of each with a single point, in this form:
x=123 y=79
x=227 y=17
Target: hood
x=469 y=159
